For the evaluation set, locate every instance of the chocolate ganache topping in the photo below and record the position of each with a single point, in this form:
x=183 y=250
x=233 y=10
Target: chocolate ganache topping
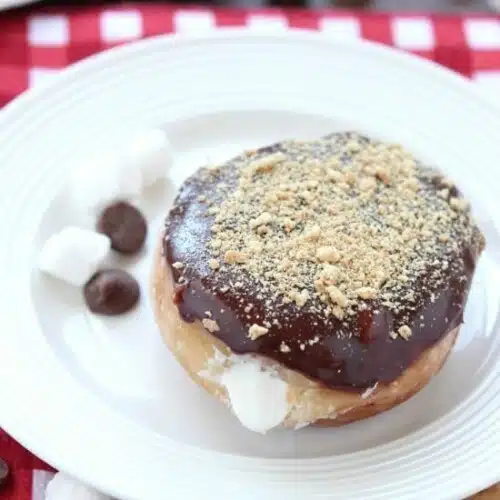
x=341 y=258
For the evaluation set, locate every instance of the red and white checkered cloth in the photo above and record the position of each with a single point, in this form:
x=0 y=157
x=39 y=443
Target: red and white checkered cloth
x=29 y=475
x=36 y=47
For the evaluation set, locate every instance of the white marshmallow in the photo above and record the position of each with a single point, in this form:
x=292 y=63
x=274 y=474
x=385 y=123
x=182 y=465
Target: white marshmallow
x=149 y=153
x=73 y=255
x=63 y=487
x=103 y=180
x=258 y=397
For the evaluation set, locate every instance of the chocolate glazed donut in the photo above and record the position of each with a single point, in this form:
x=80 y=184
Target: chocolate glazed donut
x=343 y=260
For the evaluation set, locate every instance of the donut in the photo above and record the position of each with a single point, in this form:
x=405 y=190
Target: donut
x=315 y=282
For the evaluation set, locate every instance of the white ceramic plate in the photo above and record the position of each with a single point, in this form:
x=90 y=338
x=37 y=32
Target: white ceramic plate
x=10 y=4
x=105 y=401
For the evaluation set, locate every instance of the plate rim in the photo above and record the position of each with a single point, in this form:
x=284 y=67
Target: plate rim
x=170 y=40
x=220 y=33
x=12 y=4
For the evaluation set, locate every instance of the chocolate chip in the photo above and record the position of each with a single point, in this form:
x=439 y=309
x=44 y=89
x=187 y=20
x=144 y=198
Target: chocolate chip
x=111 y=292
x=4 y=472
x=125 y=226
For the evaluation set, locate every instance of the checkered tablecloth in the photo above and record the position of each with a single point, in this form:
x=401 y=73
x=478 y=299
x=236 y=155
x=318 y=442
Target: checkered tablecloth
x=34 y=48
x=28 y=476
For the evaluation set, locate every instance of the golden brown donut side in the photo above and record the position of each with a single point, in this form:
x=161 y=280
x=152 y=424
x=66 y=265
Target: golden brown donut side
x=492 y=493
x=309 y=402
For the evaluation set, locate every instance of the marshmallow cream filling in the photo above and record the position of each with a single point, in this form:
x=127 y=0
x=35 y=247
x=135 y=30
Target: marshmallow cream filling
x=257 y=397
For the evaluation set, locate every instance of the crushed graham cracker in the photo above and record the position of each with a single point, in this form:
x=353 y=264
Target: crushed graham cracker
x=404 y=332
x=234 y=257
x=284 y=347
x=256 y=331
x=211 y=325
x=214 y=264
x=331 y=227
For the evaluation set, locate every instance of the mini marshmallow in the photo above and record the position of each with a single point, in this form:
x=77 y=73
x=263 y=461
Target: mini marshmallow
x=258 y=398
x=103 y=180
x=149 y=153
x=74 y=255
x=63 y=487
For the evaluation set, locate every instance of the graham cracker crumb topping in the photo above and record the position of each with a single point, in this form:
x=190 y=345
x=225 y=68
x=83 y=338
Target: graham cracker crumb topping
x=284 y=347
x=333 y=227
x=256 y=331
x=405 y=332
x=210 y=325
x=214 y=264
